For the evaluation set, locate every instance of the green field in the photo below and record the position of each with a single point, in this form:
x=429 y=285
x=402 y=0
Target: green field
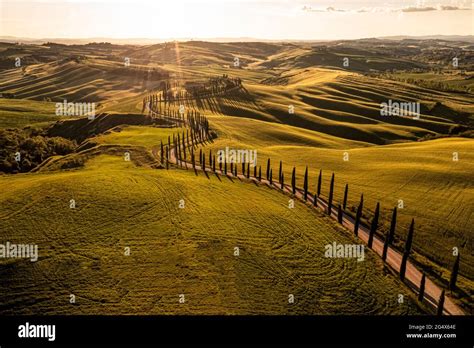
x=19 y=113
x=137 y=136
x=436 y=190
x=177 y=251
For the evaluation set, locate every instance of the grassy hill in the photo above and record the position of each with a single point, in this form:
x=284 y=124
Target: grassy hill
x=343 y=104
x=86 y=79
x=359 y=60
x=201 y=53
x=97 y=72
x=435 y=189
x=21 y=113
x=176 y=251
x=137 y=136
x=376 y=54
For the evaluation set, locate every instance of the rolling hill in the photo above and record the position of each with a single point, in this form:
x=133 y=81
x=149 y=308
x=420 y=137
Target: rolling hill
x=177 y=251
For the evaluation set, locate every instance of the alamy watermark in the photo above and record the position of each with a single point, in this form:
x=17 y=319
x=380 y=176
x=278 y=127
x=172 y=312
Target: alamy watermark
x=345 y=251
x=20 y=251
x=394 y=108
x=75 y=109
x=28 y=330
x=237 y=156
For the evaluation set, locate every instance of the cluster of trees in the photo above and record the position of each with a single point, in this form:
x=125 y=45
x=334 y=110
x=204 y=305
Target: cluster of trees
x=23 y=150
x=74 y=58
x=438 y=85
x=7 y=95
x=217 y=85
x=145 y=73
x=198 y=130
x=184 y=144
x=173 y=93
x=197 y=122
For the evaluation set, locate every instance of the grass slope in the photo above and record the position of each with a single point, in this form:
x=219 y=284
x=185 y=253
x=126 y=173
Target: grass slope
x=16 y=113
x=436 y=190
x=137 y=136
x=343 y=104
x=176 y=251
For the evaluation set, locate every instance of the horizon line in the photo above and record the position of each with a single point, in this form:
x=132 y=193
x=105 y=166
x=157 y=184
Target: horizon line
x=235 y=39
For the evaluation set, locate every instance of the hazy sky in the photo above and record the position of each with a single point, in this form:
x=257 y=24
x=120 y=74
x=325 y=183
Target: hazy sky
x=266 y=19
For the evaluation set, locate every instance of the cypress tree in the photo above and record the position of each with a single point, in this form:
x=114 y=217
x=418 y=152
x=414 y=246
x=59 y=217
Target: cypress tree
x=315 y=200
x=346 y=191
x=339 y=214
x=248 y=170
x=203 y=163
x=268 y=168
x=177 y=152
x=293 y=180
x=210 y=158
x=421 y=294
x=193 y=159
x=280 y=171
x=235 y=171
x=407 y=250
x=319 y=182
x=441 y=303
x=161 y=153
x=259 y=173
x=282 y=181
x=331 y=193
x=177 y=143
x=373 y=227
x=225 y=167
x=305 y=184
x=200 y=156
x=184 y=148
x=271 y=181
x=358 y=215
x=214 y=164
x=220 y=166
x=255 y=172
x=167 y=158
x=454 y=274
x=243 y=168
x=390 y=234
x=232 y=167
